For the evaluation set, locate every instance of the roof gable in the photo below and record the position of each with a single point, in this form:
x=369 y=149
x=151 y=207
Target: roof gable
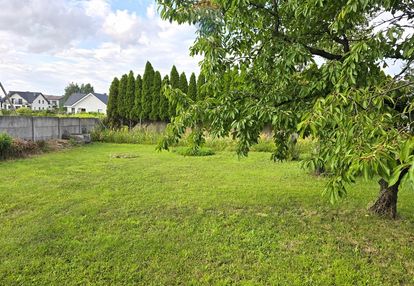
x=102 y=97
x=28 y=95
x=76 y=97
x=42 y=96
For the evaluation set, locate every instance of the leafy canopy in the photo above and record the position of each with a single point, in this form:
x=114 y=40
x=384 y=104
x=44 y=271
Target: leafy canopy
x=312 y=66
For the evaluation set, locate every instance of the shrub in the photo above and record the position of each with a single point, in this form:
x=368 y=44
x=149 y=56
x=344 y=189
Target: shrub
x=21 y=148
x=5 y=145
x=187 y=151
x=24 y=111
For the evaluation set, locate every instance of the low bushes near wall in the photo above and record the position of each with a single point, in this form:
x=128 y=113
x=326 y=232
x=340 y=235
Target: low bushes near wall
x=11 y=148
x=24 y=111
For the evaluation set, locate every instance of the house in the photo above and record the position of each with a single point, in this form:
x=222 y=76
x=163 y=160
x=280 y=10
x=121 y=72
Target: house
x=91 y=102
x=32 y=100
x=54 y=101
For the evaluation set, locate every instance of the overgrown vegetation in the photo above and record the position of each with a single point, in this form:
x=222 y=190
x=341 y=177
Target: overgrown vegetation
x=11 y=148
x=300 y=150
x=126 y=215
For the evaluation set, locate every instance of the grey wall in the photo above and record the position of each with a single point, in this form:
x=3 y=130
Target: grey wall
x=44 y=128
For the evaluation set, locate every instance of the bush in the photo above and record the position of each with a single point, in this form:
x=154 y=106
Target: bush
x=21 y=148
x=200 y=152
x=24 y=111
x=5 y=145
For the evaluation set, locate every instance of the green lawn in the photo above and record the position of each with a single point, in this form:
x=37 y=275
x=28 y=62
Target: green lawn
x=83 y=217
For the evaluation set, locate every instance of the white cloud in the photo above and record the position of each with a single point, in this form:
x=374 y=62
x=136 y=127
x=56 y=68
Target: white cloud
x=62 y=41
x=123 y=27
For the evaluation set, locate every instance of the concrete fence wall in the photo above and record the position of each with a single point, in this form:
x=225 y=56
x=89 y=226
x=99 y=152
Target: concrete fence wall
x=45 y=128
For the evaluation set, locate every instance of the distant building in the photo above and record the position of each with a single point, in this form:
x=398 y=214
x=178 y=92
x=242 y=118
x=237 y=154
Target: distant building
x=54 y=101
x=32 y=100
x=91 y=102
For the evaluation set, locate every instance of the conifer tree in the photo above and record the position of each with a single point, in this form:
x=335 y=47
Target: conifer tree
x=130 y=94
x=183 y=83
x=156 y=94
x=136 y=111
x=163 y=105
x=121 y=98
x=113 y=102
x=147 y=83
x=200 y=82
x=175 y=83
x=192 y=87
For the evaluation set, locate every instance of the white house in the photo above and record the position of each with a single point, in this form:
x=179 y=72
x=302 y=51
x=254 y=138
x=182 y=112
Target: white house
x=54 y=100
x=32 y=100
x=91 y=102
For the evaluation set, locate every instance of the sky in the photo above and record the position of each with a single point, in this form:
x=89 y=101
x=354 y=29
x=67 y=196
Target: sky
x=45 y=44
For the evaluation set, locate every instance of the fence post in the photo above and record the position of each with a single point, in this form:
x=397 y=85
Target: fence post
x=58 y=128
x=33 y=129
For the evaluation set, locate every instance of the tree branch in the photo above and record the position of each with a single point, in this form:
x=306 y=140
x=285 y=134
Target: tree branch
x=323 y=53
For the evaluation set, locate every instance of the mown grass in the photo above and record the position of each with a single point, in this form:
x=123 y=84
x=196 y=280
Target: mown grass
x=111 y=214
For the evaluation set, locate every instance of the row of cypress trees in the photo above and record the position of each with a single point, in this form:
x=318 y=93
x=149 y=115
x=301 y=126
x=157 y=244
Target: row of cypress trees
x=141 y=98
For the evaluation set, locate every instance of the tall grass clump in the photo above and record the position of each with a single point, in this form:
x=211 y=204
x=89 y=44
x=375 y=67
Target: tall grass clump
x=126 y=136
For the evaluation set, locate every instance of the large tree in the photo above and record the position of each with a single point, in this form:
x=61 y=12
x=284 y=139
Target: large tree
x=137 y=109
x=163 y=106
x=183 y=83
x=156 y=95
x=130 y=96
x=192 y=87
x=122 y=93
x=200 y=86
x=112 y=109
x=147 y=84
x=313 y=66
x=174 y=83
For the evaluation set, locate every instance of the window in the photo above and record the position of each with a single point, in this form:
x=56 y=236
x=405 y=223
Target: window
x=12 y=100
x=40 y=101
x=73 y=110
x=20 y=101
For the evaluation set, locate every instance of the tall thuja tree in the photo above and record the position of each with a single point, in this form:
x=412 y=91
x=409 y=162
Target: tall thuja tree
x=192 y=87
x=122 y=93
x=137 y=109
x=174 y=83
x=129 y=98
x=163 y=105
x=267 y=50
x=183 y=83
x=200 y=89
x=147 y=84
x=112 y=109
x=156 y=95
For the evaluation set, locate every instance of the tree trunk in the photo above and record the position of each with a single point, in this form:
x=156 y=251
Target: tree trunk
x=386 y=204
